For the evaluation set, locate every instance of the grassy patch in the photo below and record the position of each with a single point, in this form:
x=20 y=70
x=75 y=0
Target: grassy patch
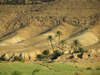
x=43 y=69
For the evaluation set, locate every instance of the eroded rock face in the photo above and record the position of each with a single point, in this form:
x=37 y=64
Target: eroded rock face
x=6 y=56
x=32 y=56
x=75 y=56
x=25 y=56
x=66 y=52
x=97 y=59
x=94 y=52
x=98 y=51
x=84 y=56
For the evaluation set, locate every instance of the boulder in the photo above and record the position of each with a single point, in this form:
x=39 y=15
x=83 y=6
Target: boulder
x=32 y=56
x=91 y=56
x=84 y=56
x=94 y=52
x=71 y=51
x=16 y=54
x=98 y=51
x=60 y=60
x=13 y=56
x=63 y=58
x=97 y=59
x=25 y=56
x=66 y=52
x=75 y=56
x=6 y=56
x=38 y=52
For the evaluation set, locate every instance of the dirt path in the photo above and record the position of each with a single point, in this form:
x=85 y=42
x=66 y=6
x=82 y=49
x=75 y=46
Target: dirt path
x=49 y=68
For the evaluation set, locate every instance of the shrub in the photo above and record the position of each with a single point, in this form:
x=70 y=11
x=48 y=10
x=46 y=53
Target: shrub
x=89 y=68
x=2 y=58
x=56 y=54
x=20 y=59
x=44 y=59
x=81 y=50
x=98 y=68
x=16 y=73
x=0 y=73
x=40 y=56
x=35 y=71
x=16 y=58
x=46 y=52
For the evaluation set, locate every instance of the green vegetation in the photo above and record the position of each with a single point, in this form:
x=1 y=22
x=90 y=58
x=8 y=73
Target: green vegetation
x=35 y=71
x=2 y=58
x=40 y=57
x=21 y=1
x=81 y=50
x=56 y=54
x=46 y=52
x=58 y=33
x=50 y=38
x=16 y=73
x=75 y=45
x=98 y=68
x=43 y=56
x=63 y=42
x=16 y=58
x=44 y=69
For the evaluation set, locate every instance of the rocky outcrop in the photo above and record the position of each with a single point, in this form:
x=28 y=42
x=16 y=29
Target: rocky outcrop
x=93 y=52
x=75 y=56
x=32 y=56
x=97 y=59
x=66 y=52
x=25 y=56
x=84 y=56
x=6 y=56
x=62 y=58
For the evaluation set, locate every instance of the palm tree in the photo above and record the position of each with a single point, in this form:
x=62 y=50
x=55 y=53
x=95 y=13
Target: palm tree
x=50 y=38
x=59 y=33
x=63 y=42
x=76 y=44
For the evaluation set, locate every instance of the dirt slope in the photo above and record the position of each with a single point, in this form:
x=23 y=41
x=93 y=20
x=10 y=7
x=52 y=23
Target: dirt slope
x=27 y=28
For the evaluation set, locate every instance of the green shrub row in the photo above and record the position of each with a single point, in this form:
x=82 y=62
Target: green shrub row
x=16 y=58
x=81 y=50
x=44 y=56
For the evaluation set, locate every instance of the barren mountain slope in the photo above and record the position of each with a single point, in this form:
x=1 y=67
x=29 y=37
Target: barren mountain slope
x=27 y=28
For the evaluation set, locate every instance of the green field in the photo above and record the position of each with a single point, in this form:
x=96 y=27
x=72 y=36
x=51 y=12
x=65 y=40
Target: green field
x=45 y=69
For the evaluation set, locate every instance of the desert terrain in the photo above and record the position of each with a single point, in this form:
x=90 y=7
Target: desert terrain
x=25 y=28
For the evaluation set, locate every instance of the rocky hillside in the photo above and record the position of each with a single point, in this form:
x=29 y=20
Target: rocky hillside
x=24 y=28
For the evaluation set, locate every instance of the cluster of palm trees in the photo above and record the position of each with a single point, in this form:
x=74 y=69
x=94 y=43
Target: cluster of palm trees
x=61 y=45
x=61 y=42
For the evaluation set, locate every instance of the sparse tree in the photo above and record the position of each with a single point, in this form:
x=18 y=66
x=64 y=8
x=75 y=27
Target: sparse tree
x=56 y=54
x=75 y=44
x=46 y=52
x=58 y=33
x=63 y=42
x=50 y=38
x=40 y=57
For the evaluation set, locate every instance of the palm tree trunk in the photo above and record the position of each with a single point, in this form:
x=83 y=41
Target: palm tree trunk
x=52 y=45
x=59 y=40
x=63 y=47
